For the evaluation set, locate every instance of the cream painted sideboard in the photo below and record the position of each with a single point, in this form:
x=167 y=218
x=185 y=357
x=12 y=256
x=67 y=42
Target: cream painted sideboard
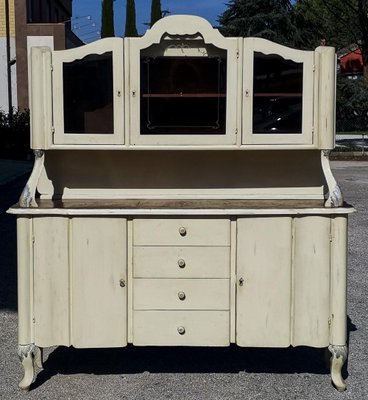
x=189 y=203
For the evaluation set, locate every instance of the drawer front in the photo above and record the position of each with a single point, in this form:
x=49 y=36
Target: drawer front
x=181 y=294
x=181 y=262
x=181 y=328
x=181 y=232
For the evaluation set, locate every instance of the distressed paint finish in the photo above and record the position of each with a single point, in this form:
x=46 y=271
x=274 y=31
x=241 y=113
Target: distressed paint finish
x=25 y=280
x=264 y=294
x=181 y=262
x=252 y=45
x=339 y=251
x=311 y=281
x=98 y=297
x=51 y=281
x=27 y=198
x=181 y=294
x=195 y=232
x=182 y=248
x=202 y=328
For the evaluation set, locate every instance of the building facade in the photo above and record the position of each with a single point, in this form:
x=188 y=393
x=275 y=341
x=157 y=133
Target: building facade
x=23 y=24
x=8 y=78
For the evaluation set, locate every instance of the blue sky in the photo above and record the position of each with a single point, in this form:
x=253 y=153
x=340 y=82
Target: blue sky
x=209 y=9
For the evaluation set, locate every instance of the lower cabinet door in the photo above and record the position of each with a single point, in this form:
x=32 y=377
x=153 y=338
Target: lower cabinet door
x=78 y=265
x=98 y=272
x=181 y=328
x=264 y=248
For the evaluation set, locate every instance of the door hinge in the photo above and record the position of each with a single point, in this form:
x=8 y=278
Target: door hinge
x=33 y=239
x=314 y=67
x=237 y=53
x=51 y=67
x=330 y=237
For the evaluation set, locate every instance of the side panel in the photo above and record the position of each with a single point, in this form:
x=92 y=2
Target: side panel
x=264 y=298
x=98 y=301
x=25 y=280
x=338 y=281
x=51 y=281
x=311 y=281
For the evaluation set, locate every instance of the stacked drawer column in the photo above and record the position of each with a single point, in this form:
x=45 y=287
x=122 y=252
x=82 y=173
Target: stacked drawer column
x=181 y=281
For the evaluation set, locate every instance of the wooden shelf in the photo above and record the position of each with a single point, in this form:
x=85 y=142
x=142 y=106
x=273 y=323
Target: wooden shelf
x=183 y=95
x=278 y=94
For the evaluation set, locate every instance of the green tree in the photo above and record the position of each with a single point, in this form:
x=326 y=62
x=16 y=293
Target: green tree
x=156 y=11
x=107 y=19
x=130 y=21
x=340 y=23
x=270 y=19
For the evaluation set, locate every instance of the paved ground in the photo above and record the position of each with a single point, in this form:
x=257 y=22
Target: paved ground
x=192 y=373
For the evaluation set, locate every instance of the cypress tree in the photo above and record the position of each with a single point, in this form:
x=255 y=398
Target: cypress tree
x=107 y=19
x=130 y=22
x=270 y=19
x=156 y=12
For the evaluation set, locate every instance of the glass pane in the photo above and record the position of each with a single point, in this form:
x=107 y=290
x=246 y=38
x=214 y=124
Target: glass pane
x=88 y=95
x=183 y=95
x=277 y=95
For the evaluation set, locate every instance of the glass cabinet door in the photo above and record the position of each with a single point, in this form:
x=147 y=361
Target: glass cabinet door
x=183 y=95
x=88 y=94
x=278 y=94
x=183 y=87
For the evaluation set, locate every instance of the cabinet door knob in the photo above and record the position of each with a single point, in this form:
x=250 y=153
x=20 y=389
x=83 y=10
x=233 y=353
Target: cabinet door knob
x=182 y=231
x=181 y=295
x=181 y=330
x=181 y=263
x=241 y=282
x=122 y=282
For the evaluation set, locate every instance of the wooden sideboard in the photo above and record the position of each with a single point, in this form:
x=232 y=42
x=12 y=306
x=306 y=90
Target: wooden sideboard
x=191 y=208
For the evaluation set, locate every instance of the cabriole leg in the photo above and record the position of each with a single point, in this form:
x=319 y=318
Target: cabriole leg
x=30 y=355
x=38 y=357
x=339 y=356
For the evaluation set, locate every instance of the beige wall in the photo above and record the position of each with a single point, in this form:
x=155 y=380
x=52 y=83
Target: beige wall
x=3 y=19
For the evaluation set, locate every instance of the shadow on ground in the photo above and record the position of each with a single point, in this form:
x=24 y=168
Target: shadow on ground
x=233 y=359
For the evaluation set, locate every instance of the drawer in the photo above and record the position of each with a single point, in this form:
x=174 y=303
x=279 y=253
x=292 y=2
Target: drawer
x=181 y=262
x=181 y=294
x=181 y=328
x=181 y=232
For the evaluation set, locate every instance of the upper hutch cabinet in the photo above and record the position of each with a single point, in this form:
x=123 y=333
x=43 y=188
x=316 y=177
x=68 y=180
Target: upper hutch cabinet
x=278 y=94
x=88 y=94
x=183 y=84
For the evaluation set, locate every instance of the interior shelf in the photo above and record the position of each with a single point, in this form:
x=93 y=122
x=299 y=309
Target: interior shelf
x=183 y=95
x=278 y=94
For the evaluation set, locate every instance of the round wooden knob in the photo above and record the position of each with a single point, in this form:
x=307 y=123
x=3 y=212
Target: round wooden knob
x=182 y=231
x=181 y=330
x=181 y=295
x=181 y=263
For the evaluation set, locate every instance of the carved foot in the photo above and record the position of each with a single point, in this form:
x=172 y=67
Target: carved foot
x=30 y=355
x=339 y=356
